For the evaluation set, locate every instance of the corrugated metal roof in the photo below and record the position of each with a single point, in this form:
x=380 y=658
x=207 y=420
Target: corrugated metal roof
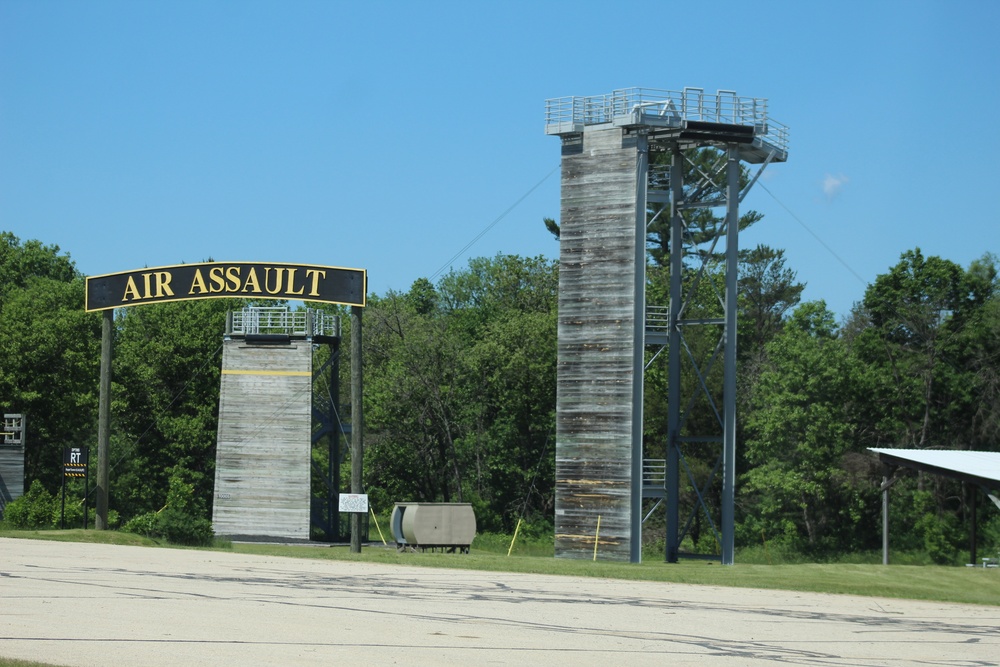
x=979 y=467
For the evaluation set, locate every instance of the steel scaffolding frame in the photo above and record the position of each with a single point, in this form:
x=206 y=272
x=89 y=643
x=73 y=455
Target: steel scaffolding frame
x=679 y=351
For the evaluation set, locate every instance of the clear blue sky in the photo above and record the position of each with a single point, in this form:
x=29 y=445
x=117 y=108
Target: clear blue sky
x=388 y=135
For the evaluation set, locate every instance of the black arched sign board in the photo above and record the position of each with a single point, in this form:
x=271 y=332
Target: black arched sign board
x=232 y=280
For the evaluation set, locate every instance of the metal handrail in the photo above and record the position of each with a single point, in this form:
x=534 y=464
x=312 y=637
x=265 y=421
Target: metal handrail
x=658 y=177
x=723 y=106
x=282 y=320
x=654 y=472
x=657 y=318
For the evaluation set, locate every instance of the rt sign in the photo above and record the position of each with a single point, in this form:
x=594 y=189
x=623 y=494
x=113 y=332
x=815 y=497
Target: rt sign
x=75 y=461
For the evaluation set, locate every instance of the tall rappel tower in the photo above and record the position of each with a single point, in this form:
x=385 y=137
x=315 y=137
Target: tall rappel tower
x=607 y=330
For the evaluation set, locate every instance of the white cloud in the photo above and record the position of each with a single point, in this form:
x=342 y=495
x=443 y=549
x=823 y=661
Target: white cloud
x=832 y=185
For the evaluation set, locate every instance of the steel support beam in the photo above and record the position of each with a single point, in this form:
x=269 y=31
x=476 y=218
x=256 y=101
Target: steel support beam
x=727 y=175
x=639 y=346
x=674 y=355
x=729 y=379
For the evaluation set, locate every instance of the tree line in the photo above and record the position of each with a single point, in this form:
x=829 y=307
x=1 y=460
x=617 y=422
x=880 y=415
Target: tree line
x=460 y=394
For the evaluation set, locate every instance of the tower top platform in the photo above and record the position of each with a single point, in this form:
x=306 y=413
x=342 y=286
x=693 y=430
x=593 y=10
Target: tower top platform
x=690 y=117
x=281 y=323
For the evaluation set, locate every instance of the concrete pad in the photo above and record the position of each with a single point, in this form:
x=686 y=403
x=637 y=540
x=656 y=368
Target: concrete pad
x=97 y=605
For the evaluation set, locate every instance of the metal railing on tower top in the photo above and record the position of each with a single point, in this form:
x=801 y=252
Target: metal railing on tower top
x=567 y=114
x=282 y=320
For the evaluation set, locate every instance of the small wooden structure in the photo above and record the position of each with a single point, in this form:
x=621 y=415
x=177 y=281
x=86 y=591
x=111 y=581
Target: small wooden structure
x=11 y=459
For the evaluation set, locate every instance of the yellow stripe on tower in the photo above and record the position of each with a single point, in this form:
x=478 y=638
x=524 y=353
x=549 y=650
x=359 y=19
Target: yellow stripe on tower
x=263 y=372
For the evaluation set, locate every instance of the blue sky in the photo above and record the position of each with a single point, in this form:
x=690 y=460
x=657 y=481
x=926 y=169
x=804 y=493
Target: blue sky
x=389 y=135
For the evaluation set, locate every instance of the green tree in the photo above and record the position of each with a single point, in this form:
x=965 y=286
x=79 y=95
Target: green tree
x=460 y=389
x=49 y=353
x=22 y=262
x=926 y=336
x=920 y=315
x=800 y=489
x=167 y=366
x=183 y=518
x=411 y=374
x=768 y=290
x=982 y=345
x=552 y=226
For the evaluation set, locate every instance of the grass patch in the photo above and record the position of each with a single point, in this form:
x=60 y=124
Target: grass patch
x=103 y=537
x=80 y=535
x=761 y=556
x=534 y=556
x=935 y=583
x=492 y=543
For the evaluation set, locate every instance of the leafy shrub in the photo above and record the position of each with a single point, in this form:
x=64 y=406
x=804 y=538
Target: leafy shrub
x=74 y=515
x=181 y=527
x=937 y=531
x=990 y=537
x=33 y=510
x=181 y=521
x=144 y=524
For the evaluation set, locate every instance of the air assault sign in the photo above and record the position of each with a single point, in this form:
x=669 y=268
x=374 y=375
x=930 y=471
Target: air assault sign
x=235 y=280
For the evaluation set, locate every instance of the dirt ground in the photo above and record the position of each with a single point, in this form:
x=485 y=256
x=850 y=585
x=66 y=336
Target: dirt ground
x=86 y=604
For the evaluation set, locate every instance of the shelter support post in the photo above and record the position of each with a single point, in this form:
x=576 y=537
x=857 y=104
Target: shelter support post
x=972 y=533
x=888 y=479
x=885 y=520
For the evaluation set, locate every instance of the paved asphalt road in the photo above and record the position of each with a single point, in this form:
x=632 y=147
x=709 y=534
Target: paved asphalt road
x=86 y=604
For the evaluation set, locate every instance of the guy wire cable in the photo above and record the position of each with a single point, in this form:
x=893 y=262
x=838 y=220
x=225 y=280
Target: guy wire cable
x=492 y=224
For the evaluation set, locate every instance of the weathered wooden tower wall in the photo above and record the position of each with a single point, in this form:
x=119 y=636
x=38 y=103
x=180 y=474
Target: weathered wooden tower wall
x=596 y=383
x=262 y=469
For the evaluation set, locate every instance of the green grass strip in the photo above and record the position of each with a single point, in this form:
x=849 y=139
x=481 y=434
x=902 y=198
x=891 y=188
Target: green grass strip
x=970 y=585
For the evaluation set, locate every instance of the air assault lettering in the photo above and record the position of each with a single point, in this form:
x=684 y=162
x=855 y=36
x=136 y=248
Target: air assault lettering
x=218 y=279
x=162 y=287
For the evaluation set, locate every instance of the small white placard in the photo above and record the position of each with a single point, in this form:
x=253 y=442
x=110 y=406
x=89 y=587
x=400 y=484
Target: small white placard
x=354 y=502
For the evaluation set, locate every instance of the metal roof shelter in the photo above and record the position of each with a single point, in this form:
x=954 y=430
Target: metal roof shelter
x=979 y=468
